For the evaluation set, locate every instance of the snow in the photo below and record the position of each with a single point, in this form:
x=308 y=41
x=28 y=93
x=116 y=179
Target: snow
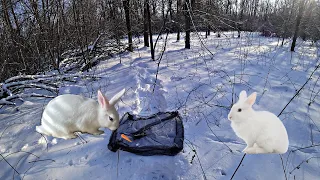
x=199 y=83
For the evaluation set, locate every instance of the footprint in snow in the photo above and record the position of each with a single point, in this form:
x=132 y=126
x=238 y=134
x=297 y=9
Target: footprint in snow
x=70 y=163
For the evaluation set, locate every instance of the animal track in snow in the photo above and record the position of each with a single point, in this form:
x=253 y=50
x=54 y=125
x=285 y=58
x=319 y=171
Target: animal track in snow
x=147 y=100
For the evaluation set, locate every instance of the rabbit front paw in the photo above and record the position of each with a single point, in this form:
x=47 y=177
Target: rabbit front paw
x=245 y=149
x=248 y=146
x=250 y=150
x=98 y=132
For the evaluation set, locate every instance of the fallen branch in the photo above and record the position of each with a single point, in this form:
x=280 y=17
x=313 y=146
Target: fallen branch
x=93 y=46
x=13 y=87
x=37 y=86
x=28 y=77
x=6 y=101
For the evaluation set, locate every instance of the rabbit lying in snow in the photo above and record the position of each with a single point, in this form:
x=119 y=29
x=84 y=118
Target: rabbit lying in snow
x=261 y=130
x=69 y=113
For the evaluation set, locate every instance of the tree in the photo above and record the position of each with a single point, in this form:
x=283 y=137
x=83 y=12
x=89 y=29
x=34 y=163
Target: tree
x=126 y=5
x=187 y=23
x=298 y=20
x=145 y=24
x=178 y=18
x=150 y=30
x=35 y=35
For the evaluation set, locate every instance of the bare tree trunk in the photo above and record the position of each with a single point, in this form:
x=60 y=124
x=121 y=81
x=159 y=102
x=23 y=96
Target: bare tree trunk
x=162 y=9
x=187 y=23
x=256 y=4
x=296 y=31
x=240 y=25
x=126 y=4
x=228 y=7
x=150 y=30
x=285 y=24
x=15 y=19
x=145 y=25
x=7 y=17
x=178 y=19
x=170 y=12
x=154 y=6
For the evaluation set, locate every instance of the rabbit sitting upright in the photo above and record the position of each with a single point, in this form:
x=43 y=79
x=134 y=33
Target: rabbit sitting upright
x=70 y=113
x=262 y=131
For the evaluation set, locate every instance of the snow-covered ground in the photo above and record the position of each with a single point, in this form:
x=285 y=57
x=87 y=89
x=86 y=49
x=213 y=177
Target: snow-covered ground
x=201 y=83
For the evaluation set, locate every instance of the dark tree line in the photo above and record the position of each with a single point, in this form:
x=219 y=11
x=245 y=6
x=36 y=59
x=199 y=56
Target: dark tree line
x=34 y=35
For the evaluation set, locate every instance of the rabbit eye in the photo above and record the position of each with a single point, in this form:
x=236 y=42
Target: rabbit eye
x=110 y=118
x=239 y=110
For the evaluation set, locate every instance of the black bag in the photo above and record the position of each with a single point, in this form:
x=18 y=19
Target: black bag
x=158 y=134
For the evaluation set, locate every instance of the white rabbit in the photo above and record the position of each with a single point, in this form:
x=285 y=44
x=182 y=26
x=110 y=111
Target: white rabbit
x=261 y=130
x=69 y=113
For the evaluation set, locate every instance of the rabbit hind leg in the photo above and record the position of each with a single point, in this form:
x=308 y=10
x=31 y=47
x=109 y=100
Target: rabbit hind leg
x=256 y=149
x=250 y=144
x=67 y=136
x=42 y=130
x=264 y=148
x=64 y=134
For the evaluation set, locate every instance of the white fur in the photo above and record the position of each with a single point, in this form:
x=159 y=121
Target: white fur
x=262 y=131
x=69 y=113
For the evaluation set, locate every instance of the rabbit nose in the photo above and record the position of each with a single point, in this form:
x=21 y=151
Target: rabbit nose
x=230 y=117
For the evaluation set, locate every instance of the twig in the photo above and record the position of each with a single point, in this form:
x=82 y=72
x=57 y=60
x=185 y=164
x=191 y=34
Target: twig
x=310 y=77
x=189 y=94
x=83 y=141
x=298 y=167
x=212 y=55
x=238 y=166
x=159 y=61
x=42 y=160
x=195 y=151
x=233 y=94
x=9 y=164
x=315 y=145
x=190 y=14
x=284 y=170
x=217 y=136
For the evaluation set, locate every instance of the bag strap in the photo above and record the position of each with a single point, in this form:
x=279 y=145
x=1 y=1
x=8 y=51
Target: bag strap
x=141 y=132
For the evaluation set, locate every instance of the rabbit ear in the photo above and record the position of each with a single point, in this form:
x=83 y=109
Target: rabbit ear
x=103 y=101
x=243 y=95
x=251 y=99
x=117 y=97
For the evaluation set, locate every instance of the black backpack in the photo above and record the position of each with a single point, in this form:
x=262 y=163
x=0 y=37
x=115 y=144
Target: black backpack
x=158 y=134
